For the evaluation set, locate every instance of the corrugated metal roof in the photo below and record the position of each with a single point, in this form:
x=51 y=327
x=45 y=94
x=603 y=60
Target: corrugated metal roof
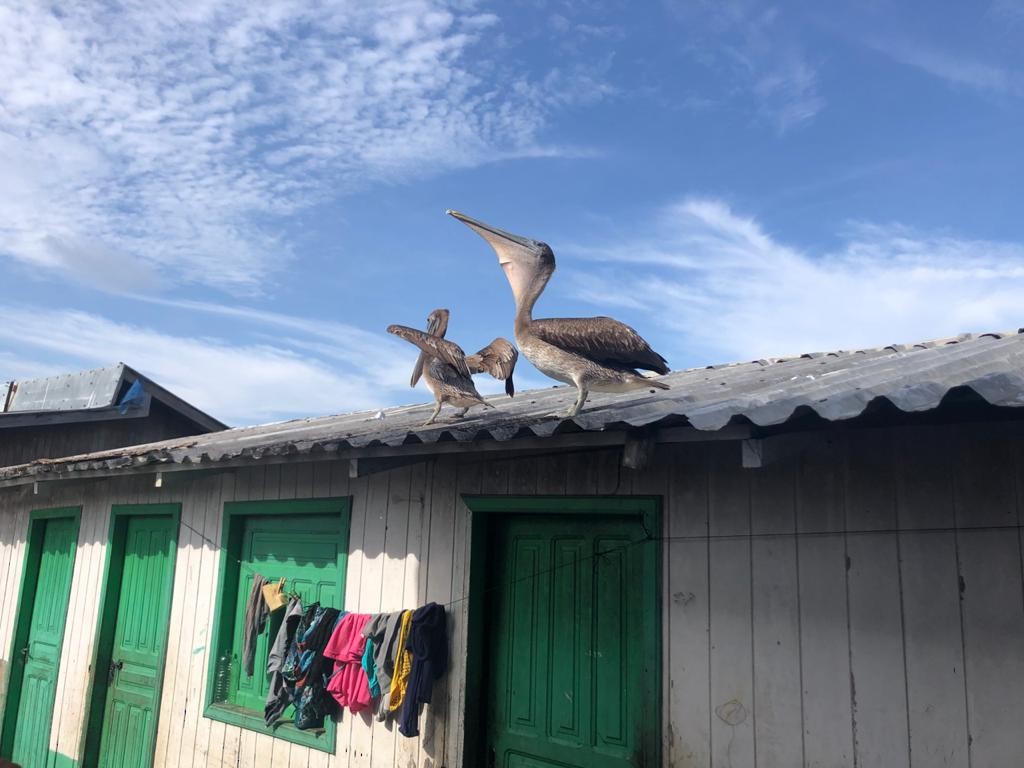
x=835 y=385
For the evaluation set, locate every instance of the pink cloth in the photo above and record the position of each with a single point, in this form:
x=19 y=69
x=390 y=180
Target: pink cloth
x=349 y=685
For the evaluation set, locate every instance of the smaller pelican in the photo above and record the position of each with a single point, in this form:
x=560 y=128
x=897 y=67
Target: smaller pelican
x=448 y=370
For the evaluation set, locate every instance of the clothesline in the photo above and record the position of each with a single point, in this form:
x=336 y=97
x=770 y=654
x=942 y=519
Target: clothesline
x=690 y=538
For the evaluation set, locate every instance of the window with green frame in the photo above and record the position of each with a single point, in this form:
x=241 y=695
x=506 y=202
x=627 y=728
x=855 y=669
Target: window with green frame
x=304 y=541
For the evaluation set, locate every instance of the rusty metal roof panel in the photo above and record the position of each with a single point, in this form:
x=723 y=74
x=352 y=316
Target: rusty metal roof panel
x=835 y=385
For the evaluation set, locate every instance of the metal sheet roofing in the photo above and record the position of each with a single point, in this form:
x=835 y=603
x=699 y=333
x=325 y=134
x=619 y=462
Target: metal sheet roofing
x=87 y=396
x=835 y=385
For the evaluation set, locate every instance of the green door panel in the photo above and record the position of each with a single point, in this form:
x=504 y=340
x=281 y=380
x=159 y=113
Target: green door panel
x=302 y=549
x=571 y=677
x=139 y=644
x=48 y=588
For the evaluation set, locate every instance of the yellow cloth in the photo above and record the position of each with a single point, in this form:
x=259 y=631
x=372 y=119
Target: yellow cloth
x=403 y=665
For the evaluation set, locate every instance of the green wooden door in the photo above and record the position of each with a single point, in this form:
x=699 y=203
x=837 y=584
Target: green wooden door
x=302 y=549
x=139 y=643
x=573 y=678
x=35 y=663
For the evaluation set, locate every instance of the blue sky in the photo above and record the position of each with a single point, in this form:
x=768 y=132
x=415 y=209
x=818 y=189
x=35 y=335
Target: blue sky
x=237 y=198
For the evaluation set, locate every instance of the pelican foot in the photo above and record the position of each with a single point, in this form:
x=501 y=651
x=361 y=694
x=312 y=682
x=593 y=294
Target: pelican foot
x=562 y=415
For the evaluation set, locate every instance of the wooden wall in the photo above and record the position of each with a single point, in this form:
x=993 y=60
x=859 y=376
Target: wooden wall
x=19 y=445
x=858 y=602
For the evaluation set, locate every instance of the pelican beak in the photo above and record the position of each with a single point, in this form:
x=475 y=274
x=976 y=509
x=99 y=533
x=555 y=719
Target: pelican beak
x=500 y=240
x=433 y=323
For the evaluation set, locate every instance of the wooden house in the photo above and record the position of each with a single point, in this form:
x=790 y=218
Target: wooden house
x=808 y=561
x=88 y=411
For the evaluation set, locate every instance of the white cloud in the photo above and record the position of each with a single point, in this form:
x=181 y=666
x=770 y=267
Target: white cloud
x=238 y=383
x=721 y=288
x=153 y=140
x=286 y=366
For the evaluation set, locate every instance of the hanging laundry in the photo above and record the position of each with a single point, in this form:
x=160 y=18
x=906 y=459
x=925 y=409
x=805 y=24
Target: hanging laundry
x=370 y=670
x=280 y=694
x=403 y=665
x=312 y=704
x=274 y=596
x=303 y=667
x=349 y=685
x=428 y=642
x=255 y=620
x=382 y=631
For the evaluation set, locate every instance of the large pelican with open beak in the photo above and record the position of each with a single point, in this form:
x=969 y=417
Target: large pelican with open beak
x=591 y=353
x=448 y=370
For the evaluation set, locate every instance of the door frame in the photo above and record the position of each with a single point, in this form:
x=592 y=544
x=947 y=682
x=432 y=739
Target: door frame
x=29 y=580
x=483 y=509
x=110 y=595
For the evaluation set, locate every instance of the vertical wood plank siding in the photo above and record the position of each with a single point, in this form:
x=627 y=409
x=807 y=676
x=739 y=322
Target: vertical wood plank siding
x=859 y=602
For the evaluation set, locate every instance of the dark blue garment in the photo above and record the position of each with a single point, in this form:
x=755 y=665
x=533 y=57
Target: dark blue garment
x=428 y=642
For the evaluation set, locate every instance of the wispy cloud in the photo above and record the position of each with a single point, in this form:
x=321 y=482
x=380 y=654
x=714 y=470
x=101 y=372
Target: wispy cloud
x=751 y=42
x=722 y=288
x=237 y=382
x=957 y=70
x=160 y=140
x=1007 y=11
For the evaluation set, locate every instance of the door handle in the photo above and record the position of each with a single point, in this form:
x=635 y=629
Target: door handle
x=113 y=669
x=491 y=757
x=24 y=654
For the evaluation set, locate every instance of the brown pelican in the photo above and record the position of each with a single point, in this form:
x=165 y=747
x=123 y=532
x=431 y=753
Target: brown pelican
x=447 y=369
x=591 y=353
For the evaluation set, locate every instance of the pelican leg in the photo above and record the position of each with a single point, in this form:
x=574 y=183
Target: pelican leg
x=433 y=416
x=581 y=398
x=462 y=414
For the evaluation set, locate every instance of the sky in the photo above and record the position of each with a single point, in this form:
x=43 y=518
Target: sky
x=237 y=198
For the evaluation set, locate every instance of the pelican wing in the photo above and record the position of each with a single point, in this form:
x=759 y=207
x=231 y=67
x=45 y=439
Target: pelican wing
x=437 y=348
x=601 y=339
x=498 y=359
x=417 y=369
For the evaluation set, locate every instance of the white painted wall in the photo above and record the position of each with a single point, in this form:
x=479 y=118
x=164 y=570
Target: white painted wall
x=813 y=608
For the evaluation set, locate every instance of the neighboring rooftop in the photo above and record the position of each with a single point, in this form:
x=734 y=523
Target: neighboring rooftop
x=97 y=395
x=981 y=369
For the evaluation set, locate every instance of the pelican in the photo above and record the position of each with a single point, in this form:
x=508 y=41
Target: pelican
x=591 y=353
x=448 y=370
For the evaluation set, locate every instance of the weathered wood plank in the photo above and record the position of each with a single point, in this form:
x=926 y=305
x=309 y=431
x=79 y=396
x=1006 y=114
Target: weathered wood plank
x=984 y=483
x=731 y=657
x=877 y=674
x=924 y=478
x=398 y=560
x=824 y=646
x=371 y=585
x=870 y=481
x=469 y=480
x=775 y=617
x=687 y=605
x=936 y=702
x=993 y=626
x=820 y=486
